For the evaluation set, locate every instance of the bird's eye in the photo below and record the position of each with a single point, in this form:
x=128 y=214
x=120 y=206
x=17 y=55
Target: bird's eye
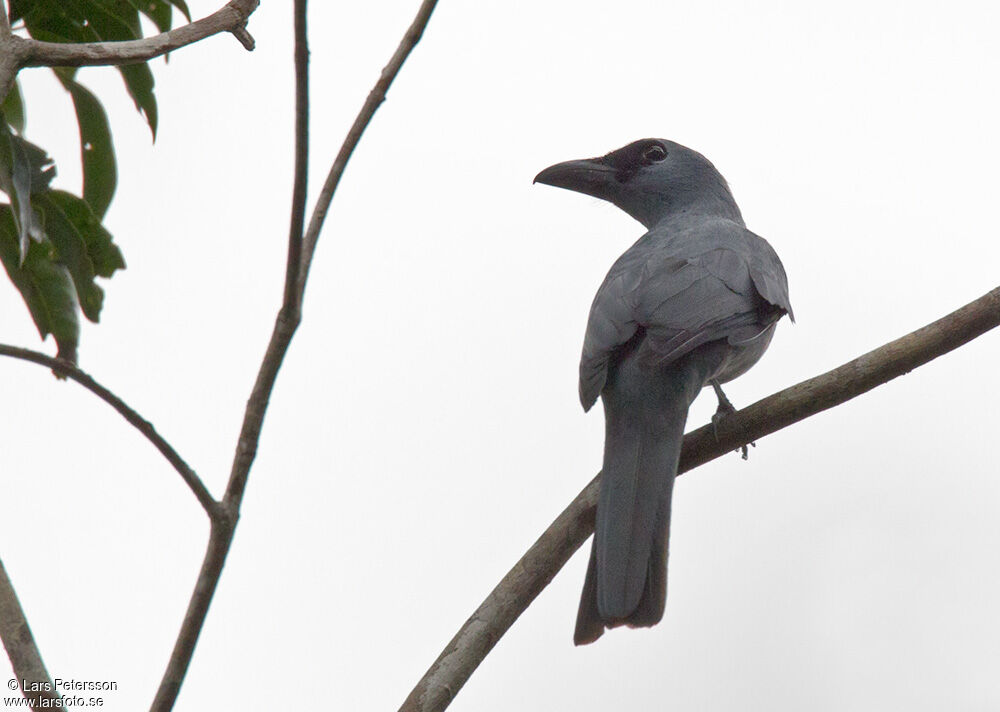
x=654 y=153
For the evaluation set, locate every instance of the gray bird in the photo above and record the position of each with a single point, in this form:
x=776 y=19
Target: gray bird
x=693 y=303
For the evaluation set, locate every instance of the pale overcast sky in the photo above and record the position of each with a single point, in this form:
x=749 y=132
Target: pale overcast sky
x=425 y=428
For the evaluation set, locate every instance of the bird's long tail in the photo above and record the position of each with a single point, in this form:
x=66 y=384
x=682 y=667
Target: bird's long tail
x=645 y=412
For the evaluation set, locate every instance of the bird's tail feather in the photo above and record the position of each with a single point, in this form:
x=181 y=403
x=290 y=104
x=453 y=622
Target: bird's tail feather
x=645 y=414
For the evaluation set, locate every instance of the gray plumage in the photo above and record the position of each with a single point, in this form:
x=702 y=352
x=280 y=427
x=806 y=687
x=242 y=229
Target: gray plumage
x=694 y=301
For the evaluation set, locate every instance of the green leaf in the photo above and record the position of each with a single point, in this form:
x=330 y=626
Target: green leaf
x=97 y=152
x=122 y=11
x=139 y=81
x=94 y=21
x=13 y=108
x=71 y=252
x=57 y=297
x=115 y=20
x=111 y=19
x=159 y=11
x=54 y=20
x=41 y=167
x=46 y=287
x=36 y=161
x=103 y=253
x=25 y=169
x=182 y=6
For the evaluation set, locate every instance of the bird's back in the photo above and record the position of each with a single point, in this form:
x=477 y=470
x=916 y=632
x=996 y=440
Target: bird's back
x=687 y=281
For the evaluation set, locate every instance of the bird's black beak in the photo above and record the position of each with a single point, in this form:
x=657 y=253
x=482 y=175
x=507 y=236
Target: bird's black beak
x=590 y=176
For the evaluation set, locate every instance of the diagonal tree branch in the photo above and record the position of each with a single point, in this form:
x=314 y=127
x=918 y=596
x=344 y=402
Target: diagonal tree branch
x=375 y=98
x=5 y=32
x=223 y=528
x=8 y=62
x=17 y=52
x=232 y=17
x=36 y=685
x=65 y=368
x=529 y=576
x=293 y=296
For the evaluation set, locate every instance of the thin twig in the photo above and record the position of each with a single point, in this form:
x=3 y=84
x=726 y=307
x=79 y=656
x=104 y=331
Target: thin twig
x=374 y=100
x=284 y=329
x=244 y=37
x=293 y=297
x=15 y=632
x=529 y=576
x=34 y=53
x=65 y=368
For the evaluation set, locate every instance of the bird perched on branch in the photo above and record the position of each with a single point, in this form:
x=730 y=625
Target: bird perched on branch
x=693 y=303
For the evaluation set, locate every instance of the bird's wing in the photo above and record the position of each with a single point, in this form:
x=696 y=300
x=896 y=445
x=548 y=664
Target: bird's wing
x=612 y=323
x=720 y=281
x=768 y=273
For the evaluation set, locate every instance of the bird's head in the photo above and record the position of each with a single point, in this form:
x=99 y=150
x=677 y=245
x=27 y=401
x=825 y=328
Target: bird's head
x=649 y=179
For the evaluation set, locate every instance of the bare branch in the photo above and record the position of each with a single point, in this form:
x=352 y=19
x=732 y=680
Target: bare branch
x=284 y=329
x=8 y=68
x=65 y=368
x=231 y=18
x=529 y=576
x=245 y=38
x=293 y=297
x=8 y=61
x=21 y=649
x=219 y=541
x=5 y=31
x=374 y=100
x=223 y=529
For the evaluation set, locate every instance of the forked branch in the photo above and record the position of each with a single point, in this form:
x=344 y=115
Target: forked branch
x=300 y=252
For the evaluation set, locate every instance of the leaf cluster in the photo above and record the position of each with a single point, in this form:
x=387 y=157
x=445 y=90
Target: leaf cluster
x=53 y=244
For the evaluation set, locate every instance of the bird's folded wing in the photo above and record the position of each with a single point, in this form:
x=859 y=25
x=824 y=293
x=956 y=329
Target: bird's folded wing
x=722 y=285
x=768 y=273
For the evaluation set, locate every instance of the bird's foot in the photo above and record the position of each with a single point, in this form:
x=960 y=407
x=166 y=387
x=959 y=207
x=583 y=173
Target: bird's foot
x=725 y=409
x=718 y=417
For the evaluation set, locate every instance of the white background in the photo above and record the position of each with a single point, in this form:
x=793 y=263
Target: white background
x=425 y=427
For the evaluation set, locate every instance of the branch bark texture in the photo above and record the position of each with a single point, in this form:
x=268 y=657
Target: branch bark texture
x=529 y=576
x=293 y=264
x=8 y=62
x=21 y=648
x=16 y=52
x=232 y=17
